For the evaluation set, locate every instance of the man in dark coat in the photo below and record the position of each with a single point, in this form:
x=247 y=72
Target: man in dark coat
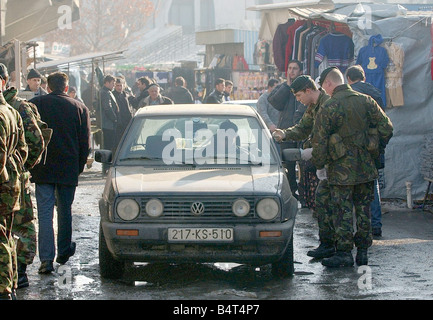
x=125 y=110
x=109 y=109
x=142 y=84
x=217 y=96
x=180 y=94
x=56 y=178
x=356 y=78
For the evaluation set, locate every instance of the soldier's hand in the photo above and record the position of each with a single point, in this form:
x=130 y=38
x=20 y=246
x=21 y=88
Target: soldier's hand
x=278 y=135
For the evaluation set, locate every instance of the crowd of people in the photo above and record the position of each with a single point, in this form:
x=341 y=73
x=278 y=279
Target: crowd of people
x=338 y=124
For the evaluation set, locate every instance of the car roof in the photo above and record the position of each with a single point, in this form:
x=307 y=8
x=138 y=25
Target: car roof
x=197 y=109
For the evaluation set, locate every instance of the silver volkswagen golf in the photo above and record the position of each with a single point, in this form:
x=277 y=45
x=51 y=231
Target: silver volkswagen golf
x=196 y=183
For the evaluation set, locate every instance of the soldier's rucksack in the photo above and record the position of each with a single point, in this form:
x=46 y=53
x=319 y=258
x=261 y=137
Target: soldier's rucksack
x=46 y=132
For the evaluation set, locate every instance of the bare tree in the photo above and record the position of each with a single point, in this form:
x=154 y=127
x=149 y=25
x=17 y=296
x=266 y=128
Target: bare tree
x=105 y=25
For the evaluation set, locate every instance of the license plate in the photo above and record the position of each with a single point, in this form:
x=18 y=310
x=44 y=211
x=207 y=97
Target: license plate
x=200 y=234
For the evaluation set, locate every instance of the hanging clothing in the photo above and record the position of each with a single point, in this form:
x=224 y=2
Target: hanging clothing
x=338 y=48
x=374 y=60
x=291 y=41
x=394 y=75
x=279 y=44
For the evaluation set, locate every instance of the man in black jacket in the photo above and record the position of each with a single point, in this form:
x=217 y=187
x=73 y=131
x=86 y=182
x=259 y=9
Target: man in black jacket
x=291 y=111
x=109 y=110
x=180 y=94
x=217 y=96
x=356 y=78
x=125 y=110
x=56 y=178
x=143 y=85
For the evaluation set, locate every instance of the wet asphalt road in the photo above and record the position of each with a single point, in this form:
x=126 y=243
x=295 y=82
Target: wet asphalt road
x=400 y=266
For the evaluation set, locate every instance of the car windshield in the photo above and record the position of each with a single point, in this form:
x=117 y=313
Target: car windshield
x=210 y=140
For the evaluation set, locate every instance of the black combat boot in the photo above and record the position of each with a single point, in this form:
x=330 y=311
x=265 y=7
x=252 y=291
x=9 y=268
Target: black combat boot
x=23 y=281
x=339 y=259
x=323 y=251
x=361 y=257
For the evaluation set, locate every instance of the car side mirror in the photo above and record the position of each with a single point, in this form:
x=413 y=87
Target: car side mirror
x=291 y=155
x=104 y=156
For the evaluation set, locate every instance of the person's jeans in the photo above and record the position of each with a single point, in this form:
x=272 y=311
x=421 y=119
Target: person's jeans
x=46 y=195
x=375 y=207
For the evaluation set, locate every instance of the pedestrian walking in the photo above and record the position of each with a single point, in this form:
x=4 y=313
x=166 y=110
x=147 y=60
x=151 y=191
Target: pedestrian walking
x=37 y=136
x=305 y=90
x=13 y=154
x=342 y=152
x=56 y=178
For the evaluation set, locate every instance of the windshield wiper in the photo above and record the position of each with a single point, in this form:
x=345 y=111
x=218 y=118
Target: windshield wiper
x=140 y=158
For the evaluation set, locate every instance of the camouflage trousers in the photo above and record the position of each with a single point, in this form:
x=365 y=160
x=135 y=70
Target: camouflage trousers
x=24 y=228
x=344 y=201
x=324 y=213
x=8 y=259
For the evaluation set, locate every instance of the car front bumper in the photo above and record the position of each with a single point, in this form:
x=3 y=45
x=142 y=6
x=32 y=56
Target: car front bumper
x=249 y=245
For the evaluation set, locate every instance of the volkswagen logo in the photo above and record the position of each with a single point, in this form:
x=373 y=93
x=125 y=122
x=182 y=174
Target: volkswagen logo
x=197 y=208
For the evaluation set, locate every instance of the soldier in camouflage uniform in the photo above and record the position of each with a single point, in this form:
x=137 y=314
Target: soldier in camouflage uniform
x=344 y=142
x=23 y=225
x=13 y=154
x=305 y=90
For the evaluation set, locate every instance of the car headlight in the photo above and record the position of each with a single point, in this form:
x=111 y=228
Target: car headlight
x=154 y=208
x=128 y=209
x=241 y=207
x=267 y=209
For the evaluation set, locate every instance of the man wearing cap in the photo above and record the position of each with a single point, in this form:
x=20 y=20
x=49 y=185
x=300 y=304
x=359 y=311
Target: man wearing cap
x=291 y=111
x=305 y=90
x=24 y=226
x=34 y=79
x=341 y=142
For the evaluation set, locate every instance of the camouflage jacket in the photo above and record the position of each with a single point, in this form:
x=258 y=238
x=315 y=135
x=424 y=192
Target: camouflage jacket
x=304 y=128
x=31 y=121
x=13 y=155
x=341 y=136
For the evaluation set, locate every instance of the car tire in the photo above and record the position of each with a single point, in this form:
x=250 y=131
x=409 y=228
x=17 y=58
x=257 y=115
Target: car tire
x=284 y=267
x=109 y=267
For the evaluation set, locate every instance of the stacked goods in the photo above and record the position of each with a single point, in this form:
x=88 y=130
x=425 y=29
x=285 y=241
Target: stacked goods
x=427 y=158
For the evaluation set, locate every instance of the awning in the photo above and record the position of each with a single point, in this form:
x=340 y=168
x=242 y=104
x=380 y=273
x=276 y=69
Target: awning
x=82 y=60
x=29 y=19
x=278 y=13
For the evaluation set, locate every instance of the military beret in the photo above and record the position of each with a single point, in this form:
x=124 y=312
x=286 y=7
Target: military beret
x=325 y=73
x=34 y=74
x=300 y=83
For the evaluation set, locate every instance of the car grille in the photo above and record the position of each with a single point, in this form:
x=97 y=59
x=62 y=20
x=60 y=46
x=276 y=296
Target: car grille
x=215 y=208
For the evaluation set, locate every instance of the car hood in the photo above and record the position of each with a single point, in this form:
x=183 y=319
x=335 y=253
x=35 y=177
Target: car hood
x=253 y=180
